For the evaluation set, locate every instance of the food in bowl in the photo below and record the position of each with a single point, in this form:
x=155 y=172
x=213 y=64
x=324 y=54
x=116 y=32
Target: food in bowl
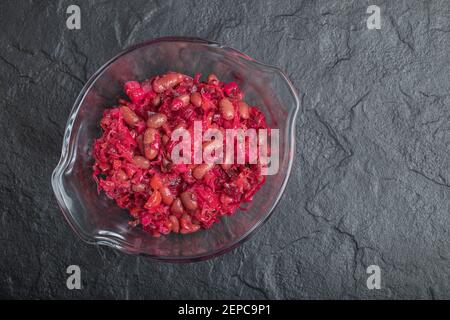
x=135 y=156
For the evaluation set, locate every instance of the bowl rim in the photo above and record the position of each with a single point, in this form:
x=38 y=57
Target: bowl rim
x=67 y=156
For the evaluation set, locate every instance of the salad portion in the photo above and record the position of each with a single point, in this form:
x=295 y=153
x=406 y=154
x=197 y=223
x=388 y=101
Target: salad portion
x=137 y=157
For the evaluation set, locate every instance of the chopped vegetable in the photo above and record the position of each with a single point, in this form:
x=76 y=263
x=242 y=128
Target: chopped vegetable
x=133 y=162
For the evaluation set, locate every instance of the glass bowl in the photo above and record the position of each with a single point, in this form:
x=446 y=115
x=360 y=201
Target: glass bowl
x=97 y=219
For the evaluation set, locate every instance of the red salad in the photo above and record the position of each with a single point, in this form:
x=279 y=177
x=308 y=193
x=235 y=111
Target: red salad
x=133 y=162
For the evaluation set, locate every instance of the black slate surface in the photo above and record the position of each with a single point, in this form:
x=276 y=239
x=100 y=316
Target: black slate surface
x=371 y=178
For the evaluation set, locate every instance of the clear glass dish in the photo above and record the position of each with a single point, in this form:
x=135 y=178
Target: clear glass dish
x=97 y=219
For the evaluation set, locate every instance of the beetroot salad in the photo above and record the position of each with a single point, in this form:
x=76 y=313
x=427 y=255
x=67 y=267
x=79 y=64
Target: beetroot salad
x=134 y=162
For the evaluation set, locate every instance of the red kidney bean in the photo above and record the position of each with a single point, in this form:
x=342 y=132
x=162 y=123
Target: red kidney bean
x=243 y=110
x=190 y=229
x=154 y=200
x=189 y=200
x=150 y=135
x=121 y=175
x=176 y=104
x=185 y=221
x=141 y=162
x=150 y=153
x=156 y=120
x=187 y=226
x=156 y=101
x=177 y=207
x=138 y=187
x=174 y=224
x=200 y=170
x=166 y=195
x=212 y=78
x=226 y=109
x=167 y=81
x=185 y=98
x=129 y=116
x=196 y=99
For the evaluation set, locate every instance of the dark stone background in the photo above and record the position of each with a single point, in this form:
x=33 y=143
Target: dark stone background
x=371 y=179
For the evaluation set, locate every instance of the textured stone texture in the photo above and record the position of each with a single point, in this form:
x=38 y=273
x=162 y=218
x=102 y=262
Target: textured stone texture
x=371 y=179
